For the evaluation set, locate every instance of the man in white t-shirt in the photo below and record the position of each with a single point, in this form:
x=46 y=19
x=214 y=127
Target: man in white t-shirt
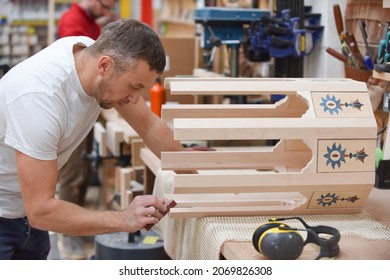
x=48 y=104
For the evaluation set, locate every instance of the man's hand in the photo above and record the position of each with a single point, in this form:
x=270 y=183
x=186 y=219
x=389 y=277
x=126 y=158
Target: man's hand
x=143 y=210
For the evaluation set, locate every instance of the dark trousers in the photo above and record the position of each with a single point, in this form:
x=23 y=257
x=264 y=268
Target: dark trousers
x=20 y=241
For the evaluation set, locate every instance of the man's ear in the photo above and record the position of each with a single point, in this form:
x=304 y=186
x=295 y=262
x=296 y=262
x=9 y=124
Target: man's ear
x=105 y=65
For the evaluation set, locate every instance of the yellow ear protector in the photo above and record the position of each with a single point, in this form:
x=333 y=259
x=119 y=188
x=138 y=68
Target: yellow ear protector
x=278 y=241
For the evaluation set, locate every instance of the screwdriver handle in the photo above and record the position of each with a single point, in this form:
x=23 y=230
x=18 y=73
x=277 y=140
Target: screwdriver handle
x=337 y=55
x=338 y=19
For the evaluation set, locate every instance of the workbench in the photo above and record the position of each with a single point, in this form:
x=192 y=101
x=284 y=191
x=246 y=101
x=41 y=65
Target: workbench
x=352 y=247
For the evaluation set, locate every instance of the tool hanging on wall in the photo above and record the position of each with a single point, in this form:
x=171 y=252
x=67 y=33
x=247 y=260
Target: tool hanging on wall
x=281 y=36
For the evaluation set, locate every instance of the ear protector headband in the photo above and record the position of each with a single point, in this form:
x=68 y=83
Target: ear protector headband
x=278 y=241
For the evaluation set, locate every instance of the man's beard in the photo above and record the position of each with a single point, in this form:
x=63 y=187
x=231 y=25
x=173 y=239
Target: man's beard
x=102 y=87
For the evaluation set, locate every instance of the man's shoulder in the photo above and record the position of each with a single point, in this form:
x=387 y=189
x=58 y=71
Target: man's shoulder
x=76 y=39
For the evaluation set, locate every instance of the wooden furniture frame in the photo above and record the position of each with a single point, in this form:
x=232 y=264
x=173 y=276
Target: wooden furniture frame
x=324 y=161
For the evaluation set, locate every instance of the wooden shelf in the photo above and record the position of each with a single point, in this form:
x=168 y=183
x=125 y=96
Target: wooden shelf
x=381 y=75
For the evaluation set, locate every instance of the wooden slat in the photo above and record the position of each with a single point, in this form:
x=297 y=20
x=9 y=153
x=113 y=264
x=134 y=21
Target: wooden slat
x=169 y=112
x=125 y=175
x=201 y=212
x=136 y=145
x=238 y=199
x=237 y=86
x=218 y=182
x=114 y=137
x=278 y=128
x=150 y=160
x=232 y=160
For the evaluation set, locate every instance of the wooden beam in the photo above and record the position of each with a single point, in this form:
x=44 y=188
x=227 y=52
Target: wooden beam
x=232 y=160
x=277 y=210
x=224 y=181
x=169 y=112
x=114 y=137
x=237 y=86
x=151 y=160
x=238 y=199
x=278 y=128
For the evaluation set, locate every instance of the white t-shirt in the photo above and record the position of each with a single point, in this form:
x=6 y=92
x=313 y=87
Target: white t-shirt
x=44 y=113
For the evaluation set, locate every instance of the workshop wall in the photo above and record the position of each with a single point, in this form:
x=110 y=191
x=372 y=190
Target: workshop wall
x=319 y=63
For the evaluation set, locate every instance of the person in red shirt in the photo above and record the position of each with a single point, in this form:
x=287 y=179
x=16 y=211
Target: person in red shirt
x=85 y=18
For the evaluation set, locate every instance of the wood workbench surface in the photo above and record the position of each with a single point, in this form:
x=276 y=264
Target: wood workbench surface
x=351 y=247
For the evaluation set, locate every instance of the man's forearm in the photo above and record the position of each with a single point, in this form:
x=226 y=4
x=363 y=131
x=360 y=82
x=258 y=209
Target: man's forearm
x=160 y=138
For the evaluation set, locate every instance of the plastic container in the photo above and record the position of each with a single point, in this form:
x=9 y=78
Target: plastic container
x=157 y=97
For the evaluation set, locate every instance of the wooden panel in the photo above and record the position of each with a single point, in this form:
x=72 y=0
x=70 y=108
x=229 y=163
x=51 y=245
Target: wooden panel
x=232 y=160
x=339 y=198
x=342 y=105
x=346 y=155
x=277 y=128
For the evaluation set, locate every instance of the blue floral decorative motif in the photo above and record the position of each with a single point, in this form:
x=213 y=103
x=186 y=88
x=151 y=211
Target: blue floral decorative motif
x=331 y=104
x=335 y=155
x=329 y=199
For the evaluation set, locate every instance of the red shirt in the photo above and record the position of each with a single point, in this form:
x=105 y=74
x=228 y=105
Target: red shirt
x=77 y=22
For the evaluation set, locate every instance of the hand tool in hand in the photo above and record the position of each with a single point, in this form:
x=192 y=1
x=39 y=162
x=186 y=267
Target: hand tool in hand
x=170 y=204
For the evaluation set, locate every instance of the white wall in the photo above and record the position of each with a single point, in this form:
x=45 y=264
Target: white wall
x=319 y=64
